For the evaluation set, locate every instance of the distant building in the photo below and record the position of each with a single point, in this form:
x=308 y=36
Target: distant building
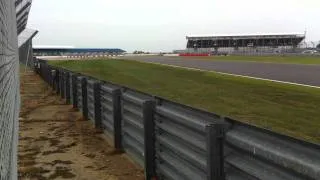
x=245 y=43
x=179 y=51
x=69 y=51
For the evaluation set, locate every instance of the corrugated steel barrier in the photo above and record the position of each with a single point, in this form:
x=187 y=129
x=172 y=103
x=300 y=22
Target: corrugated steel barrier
x=186 y=141
x=133 y=117
x=110 y=112
x=90 y=99
x=262 y=154
x=173 y=141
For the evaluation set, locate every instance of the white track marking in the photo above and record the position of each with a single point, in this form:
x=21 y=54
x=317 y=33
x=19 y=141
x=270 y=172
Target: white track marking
x=237 y=75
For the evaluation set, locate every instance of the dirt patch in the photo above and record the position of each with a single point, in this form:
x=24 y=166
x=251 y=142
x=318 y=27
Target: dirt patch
x=55 y=142
x=62 y=172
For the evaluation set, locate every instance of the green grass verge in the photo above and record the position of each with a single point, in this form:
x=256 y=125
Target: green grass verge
x=268 y=59
x=288 y=109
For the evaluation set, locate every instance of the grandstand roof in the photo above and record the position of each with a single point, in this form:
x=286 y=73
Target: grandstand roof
x=52 y=47
x=22 y=13
x=248 y=35
x=76 y=50
x=26 y=35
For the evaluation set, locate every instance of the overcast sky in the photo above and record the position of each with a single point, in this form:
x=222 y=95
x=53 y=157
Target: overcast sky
x=162 y=25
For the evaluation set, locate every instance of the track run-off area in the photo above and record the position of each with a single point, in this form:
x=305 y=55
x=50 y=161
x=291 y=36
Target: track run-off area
x=281 y=107
x=298 y=74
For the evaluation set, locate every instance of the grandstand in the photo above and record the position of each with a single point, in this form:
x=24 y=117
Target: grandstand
x=246 y=43
x=71 y=51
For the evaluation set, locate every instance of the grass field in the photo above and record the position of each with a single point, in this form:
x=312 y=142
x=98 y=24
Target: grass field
x=288 y=109
x=269 y=59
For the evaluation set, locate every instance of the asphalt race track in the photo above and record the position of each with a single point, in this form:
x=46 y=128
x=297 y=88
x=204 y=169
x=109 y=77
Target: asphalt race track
x=294 y=73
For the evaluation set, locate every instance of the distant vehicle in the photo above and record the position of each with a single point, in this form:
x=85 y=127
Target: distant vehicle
x=310 y=52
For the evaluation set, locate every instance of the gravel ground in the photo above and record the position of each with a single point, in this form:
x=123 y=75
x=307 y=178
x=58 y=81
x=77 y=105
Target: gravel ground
x=55 y=142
